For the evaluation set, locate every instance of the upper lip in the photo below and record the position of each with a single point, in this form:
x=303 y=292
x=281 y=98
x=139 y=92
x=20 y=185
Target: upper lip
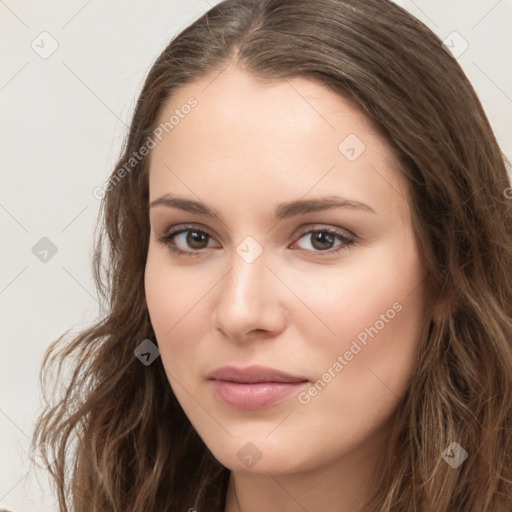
x=253 y=374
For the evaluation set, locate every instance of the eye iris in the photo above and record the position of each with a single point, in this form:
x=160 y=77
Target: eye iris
x=323 y=238
x=196 y=237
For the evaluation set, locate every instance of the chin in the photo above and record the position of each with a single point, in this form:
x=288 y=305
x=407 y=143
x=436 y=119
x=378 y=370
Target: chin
x=261 y=456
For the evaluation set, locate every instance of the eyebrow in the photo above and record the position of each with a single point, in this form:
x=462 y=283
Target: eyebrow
x=283 y=210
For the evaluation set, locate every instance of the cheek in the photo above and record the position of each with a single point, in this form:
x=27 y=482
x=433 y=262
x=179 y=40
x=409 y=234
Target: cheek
x=377 y=313
x=356 y=394
x=176 y=304
x=372 y=314
x=371 y=290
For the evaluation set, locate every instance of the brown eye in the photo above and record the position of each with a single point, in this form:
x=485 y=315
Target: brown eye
x=187 y=241
x=323 y=240
x=195 y=239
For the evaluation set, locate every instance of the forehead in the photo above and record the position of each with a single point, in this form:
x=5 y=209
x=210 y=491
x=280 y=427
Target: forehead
x=270 y=137
x=243 y=105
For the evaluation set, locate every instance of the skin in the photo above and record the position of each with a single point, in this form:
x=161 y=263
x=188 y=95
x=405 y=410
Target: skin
x=246 y=147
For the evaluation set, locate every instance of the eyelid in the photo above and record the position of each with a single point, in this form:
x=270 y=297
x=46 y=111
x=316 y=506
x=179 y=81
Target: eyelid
x=167 y=239
x=178 y=229
x=318 y=226
x=348 y=238
x=299 y=232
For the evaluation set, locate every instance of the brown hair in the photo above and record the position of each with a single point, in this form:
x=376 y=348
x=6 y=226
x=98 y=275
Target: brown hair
x=120 y=438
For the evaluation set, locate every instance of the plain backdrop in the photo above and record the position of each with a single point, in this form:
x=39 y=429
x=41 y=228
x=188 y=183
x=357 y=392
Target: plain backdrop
x=70 y=75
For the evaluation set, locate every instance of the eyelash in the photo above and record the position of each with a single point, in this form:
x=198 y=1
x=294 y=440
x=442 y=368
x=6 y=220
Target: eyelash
x=168 y=240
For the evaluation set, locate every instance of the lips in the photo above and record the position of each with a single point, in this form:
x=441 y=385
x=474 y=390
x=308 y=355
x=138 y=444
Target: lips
x=254 y=387
x=253 y=374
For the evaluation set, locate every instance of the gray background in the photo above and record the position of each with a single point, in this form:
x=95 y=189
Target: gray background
x=63 y=120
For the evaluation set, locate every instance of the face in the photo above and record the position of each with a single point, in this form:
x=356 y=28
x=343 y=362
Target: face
x=282 y=248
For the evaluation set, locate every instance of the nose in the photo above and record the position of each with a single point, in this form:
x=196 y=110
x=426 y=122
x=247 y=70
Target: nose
x=249 y=303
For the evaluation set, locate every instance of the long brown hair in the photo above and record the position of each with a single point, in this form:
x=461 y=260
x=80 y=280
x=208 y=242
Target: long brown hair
x=118 y=440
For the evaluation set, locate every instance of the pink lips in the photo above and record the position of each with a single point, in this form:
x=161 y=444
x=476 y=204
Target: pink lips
x=255 y=387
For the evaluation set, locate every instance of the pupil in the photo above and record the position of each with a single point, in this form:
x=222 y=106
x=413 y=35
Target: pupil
x=324 y=238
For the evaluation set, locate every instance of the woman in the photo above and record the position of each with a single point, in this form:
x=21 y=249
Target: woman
x=310 y=221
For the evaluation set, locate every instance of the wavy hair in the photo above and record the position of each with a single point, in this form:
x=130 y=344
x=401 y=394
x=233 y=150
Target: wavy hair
x=115 y=437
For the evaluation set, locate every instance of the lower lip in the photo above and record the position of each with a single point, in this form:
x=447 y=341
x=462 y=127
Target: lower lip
x=253 y=396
